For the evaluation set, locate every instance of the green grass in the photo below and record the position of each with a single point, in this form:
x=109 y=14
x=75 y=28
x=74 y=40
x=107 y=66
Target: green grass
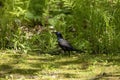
x=32 y=66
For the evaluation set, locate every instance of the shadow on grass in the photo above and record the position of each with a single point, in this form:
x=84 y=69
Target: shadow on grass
x=16 y=56
x=42 y=59
x=24 y=71
x=51 y=52
x=115 y=61
x=69 y=75
x=106 y=76
x=5 y=69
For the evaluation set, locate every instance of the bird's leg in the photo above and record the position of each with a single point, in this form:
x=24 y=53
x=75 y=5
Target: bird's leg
x=64 y=52
x=69 y=53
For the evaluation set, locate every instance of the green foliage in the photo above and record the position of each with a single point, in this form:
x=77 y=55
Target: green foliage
x=5 y=23
x=10 y=24
x=95 y=20
x=44 y=42
x=89 y=25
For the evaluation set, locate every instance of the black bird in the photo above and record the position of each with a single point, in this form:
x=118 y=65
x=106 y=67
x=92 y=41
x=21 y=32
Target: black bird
x=65 y=45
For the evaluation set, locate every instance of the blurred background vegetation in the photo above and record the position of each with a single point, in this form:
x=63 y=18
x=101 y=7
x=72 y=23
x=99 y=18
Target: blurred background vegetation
x=90 y=25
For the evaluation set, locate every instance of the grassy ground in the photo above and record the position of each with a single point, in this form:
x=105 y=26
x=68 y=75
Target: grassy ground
x=14 y=66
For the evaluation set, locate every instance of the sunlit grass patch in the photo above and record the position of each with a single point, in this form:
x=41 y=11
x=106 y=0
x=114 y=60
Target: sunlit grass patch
x=59 y=67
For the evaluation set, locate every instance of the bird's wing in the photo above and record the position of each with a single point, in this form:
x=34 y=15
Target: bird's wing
x=64 y=43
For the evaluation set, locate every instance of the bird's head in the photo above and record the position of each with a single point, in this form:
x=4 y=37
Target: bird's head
x=59 y=35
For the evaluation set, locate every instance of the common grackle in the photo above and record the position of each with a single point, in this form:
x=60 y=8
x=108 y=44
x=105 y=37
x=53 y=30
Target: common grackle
x=65 y=45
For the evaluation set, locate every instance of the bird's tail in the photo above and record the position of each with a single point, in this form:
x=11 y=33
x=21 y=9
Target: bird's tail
x=78 y=50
